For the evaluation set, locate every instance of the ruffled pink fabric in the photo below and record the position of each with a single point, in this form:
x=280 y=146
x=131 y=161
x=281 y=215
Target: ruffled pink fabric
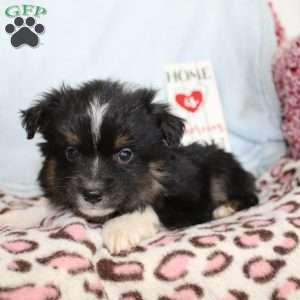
x=286 y=72
x=279 y=29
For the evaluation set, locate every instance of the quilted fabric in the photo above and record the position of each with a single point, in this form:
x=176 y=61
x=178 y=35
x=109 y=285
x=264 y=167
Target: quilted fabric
x=254 y=254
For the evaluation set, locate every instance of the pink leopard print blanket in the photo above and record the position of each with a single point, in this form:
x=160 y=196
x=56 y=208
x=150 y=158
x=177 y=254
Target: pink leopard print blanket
x=254 y=254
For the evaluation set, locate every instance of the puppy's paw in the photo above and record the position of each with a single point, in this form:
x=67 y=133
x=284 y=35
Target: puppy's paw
x=127 y=231
x=223 y=211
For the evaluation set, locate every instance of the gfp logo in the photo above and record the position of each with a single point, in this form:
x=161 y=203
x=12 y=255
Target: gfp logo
x=24 y=29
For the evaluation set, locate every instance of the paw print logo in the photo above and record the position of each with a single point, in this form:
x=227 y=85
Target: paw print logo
x=24 y=33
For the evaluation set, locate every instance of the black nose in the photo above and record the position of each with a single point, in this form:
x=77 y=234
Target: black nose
x=92 y=196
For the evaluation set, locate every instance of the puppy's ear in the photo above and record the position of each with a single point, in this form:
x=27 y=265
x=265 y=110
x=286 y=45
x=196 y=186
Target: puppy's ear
x=37 y=117
x=172 y=127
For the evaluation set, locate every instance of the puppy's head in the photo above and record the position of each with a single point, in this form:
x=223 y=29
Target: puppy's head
x=105 y=147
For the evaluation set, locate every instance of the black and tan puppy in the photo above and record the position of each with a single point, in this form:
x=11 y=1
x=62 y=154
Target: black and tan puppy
x=113 y=155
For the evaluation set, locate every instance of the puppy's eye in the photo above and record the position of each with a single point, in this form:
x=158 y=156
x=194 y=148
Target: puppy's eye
x=124 y=156
x=71 y=153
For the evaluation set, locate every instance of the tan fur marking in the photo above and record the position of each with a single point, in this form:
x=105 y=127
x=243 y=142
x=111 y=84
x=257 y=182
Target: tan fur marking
x=121 y=141
x=223 y=206
x=51 y=173
x=218 y=191
x=150 y=185
x=156 y=169
x=151 y=188
x=154 y=187
x=71 y=137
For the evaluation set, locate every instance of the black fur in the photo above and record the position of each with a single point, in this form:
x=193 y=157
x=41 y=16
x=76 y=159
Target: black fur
x=183 y=184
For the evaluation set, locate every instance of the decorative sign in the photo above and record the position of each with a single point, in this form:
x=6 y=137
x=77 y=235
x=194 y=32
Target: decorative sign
x=193 y=96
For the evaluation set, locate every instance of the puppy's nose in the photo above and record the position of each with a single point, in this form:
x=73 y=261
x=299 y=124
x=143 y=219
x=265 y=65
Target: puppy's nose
x=92 y=196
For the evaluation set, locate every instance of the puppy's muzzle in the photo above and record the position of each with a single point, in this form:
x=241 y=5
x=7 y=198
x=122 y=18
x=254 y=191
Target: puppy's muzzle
x=92 y=195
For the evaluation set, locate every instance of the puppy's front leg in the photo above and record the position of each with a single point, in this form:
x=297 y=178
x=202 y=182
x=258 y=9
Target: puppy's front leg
x=128 y=230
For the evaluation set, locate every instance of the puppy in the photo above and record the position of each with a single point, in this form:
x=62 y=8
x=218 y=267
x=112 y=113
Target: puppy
x=114 y=156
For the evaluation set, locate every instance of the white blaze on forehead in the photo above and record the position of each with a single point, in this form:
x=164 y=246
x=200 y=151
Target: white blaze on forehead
x=97 y=111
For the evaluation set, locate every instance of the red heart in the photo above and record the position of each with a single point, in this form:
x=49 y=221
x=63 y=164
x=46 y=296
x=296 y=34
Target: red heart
x=190 y=102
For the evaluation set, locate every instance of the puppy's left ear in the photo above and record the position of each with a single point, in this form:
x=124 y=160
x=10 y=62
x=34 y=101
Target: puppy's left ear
x=172 y=126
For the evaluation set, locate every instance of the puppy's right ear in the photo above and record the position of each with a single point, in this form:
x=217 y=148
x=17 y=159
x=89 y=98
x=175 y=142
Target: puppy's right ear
x=38 y=116
x=32 y=119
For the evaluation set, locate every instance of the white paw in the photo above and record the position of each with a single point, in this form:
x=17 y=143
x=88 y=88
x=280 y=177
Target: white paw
x=223 y=211
x=127 y=231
